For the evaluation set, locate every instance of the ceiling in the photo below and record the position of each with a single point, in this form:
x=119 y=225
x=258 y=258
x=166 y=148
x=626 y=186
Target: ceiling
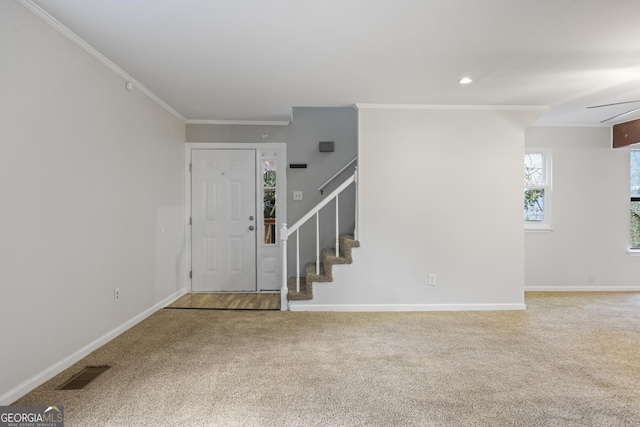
x=256 y=59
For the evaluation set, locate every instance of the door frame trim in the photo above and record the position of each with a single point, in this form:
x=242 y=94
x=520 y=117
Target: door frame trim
x=281 y=191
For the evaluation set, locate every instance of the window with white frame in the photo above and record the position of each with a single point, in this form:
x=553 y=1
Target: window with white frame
x=537 y=189
x=635 y=199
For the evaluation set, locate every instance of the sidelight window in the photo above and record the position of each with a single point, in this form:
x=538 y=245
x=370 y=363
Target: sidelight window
x=269 y=200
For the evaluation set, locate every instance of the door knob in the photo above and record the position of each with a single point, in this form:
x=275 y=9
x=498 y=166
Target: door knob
x=251 y=227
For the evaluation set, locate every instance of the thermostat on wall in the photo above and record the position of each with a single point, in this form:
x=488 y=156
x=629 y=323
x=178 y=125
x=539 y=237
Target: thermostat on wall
x=326 y=146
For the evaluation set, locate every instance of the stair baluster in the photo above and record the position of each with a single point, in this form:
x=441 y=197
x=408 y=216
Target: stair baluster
x=355 y=230
x=298 y=260
x=318 y=242
x=337 y=227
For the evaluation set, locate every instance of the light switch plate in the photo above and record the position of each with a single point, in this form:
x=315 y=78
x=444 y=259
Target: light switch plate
x=297 y=195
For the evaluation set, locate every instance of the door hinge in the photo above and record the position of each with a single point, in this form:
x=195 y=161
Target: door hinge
x=191 y=275
x=189 y=220
x=189 y=167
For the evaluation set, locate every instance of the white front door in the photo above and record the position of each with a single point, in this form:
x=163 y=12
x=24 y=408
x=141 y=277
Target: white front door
x=223 y=198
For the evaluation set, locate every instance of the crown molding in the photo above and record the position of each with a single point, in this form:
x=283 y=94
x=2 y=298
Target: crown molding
x=240 y=122
x=452 y=107
x=73 y=37
x=572 y=125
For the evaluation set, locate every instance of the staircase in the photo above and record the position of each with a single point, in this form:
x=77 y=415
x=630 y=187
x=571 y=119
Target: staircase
x=328 y=260
x=300 y=287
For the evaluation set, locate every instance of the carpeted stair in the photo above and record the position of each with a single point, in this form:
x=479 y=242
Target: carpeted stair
x=328 y=259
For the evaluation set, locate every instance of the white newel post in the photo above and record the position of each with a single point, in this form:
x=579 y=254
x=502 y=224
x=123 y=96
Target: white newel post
x=284 y=304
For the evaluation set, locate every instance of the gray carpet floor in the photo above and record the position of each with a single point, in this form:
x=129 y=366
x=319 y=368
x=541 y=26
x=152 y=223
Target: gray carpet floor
x=570 y=359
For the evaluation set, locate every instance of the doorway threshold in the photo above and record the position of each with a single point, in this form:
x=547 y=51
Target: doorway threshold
x=228 y=301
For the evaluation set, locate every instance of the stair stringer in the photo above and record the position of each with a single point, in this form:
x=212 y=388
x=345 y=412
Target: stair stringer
x=327 y=294
x=328 y=262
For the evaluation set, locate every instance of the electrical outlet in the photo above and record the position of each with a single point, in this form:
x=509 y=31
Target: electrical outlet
x=432 y=279
x=591 y=277
x=116 y=294
x=297 y=195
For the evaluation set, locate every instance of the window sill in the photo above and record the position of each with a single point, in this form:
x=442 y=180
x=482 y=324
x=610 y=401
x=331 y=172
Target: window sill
x=538 y=229
x=633 y=252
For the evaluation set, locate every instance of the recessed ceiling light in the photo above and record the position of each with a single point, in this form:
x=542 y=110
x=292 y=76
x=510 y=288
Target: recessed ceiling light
x=465 y=81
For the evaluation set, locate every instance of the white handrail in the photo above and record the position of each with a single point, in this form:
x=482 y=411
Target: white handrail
x=321 y=188
x=320 y=205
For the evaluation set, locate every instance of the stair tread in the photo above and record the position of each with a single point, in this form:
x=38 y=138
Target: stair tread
x=329 y=254
x=305 y=293
x=312 y=276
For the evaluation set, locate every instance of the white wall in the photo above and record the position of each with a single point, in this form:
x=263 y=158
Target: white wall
x=92 y=188
x=590 y=218
x=441 y=192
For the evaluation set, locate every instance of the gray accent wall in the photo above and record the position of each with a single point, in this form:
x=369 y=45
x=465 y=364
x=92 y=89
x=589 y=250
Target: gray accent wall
x=309 y=126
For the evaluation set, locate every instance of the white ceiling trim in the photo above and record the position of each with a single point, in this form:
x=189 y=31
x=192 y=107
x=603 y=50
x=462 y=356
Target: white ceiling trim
x=240 y=122
x=452 y=107
x=58 y=26
x=574 y=125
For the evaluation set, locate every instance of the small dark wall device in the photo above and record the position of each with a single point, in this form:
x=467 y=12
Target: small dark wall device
x=326 y=146
x=298 y=165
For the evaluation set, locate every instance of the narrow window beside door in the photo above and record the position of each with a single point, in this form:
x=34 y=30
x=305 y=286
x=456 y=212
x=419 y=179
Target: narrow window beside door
x=269 y=197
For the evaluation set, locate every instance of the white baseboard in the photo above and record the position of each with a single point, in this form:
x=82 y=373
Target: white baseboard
x=17 y=392
x=293 y=306
x=582 y=288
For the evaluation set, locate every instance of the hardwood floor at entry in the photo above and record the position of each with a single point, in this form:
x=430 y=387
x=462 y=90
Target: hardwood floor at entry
x=229 y=301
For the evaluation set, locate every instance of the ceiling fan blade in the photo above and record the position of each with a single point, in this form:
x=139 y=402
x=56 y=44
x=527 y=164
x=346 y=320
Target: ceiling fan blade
x=615 y=103
x=620 y=115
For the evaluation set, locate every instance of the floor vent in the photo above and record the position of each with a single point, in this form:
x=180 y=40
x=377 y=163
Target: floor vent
x=83 y=378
